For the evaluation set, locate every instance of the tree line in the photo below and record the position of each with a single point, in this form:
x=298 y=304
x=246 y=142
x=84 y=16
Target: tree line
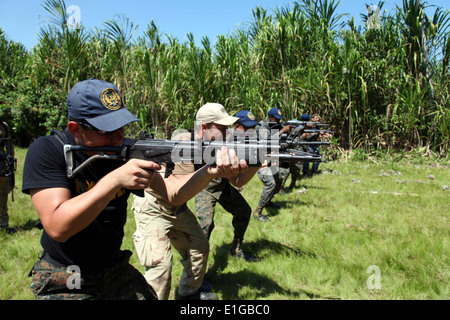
x=384 y=84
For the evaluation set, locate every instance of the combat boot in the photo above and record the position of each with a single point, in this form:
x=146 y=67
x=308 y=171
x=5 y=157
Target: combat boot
x=199 y=295
x=236 y=251
x=257 y=214
x=8 y=230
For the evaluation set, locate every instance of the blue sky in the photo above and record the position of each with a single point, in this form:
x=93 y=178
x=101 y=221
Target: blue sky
x=22 y=19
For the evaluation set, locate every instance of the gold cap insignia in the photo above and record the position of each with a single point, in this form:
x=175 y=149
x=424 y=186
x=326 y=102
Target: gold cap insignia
x=110 y=99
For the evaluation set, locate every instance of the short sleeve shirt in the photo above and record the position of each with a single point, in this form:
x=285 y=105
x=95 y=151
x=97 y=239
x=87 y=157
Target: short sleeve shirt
x=98 y=245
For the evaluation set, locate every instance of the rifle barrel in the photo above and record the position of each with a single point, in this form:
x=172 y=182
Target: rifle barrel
x=311 y=142
x=317 y=131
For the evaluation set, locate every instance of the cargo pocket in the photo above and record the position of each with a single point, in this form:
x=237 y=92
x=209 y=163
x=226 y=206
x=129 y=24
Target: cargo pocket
x=151 y=250
x=143 y=249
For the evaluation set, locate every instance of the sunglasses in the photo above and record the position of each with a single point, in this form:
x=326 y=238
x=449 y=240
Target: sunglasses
x=99 y=132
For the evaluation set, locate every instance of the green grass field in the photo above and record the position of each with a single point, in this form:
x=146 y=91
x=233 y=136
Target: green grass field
x=362 y=230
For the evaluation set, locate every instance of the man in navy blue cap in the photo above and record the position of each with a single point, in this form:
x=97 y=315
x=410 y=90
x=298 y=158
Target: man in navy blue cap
x=271 y=177
x=296 y=167
x=83 y=217
x=305 y=117
x=276 y=114
x=247 y=120
x=314 y=149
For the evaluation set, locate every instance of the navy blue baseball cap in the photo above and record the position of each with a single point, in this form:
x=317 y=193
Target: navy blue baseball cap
x=275 y=112
x=305 y=117
x=99 y=103
x=246 y=118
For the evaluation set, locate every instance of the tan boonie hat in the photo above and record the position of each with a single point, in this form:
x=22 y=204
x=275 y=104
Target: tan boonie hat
x=215 y=113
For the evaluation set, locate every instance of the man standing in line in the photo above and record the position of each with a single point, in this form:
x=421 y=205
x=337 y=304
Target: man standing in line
x=314 y=149
x=83 y=217
x=212 y=124
x=6 y=147
x=271 y=176
x=159 y=226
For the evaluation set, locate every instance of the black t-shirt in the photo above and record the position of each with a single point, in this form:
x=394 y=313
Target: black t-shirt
x=98 y=245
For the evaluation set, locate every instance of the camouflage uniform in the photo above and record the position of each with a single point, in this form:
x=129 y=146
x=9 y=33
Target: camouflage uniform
x=272 y=184
x=284 y=170
x=4 y=180
x=295 y=167
x=53 y=281
x=272 y=177
x=4 y=190
x=220 y=190
x=313 y=149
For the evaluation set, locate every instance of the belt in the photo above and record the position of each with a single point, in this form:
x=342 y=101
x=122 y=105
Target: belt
x=47 y=258
x=123 y=256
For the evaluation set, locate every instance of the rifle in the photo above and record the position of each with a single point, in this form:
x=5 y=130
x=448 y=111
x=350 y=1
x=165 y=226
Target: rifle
x=10 y=164
x=285 y=141
x=254 y=152
x=296 y=123
x=317 y=131
x=289 y=142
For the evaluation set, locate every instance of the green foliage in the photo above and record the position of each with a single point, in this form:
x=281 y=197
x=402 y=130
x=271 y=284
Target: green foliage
x=33 y=111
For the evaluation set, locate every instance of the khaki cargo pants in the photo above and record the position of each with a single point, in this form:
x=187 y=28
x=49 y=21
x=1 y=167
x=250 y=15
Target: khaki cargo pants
x=158 y=225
